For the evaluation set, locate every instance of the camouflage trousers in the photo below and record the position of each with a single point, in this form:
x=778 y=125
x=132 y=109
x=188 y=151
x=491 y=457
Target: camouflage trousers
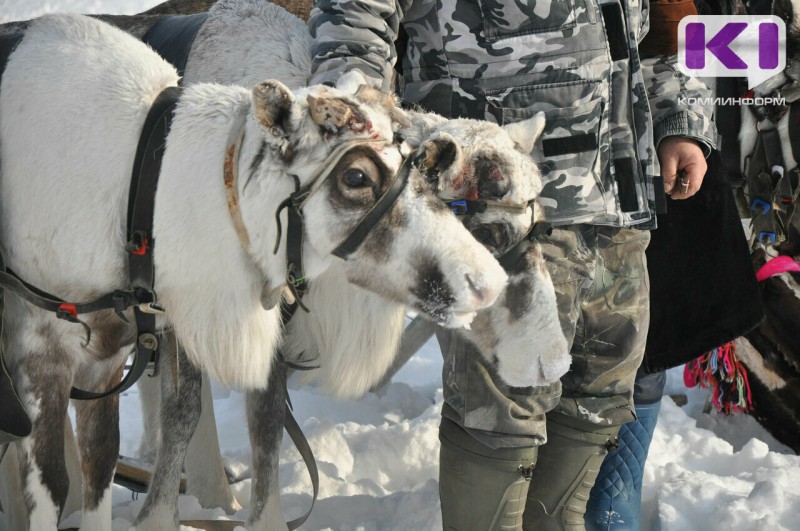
x=600 y=277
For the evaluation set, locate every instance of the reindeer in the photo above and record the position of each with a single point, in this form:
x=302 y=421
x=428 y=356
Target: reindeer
x=67 y=143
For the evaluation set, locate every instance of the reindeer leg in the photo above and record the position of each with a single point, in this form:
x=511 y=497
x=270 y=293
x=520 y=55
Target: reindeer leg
x=45 y=481
x=98 y=444
x=265 y=412
x=180 y=410
x=13 y=506
x=205 y=471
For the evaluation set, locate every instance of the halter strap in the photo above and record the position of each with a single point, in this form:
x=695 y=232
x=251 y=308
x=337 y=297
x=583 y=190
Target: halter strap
x=295 y=276
x=230 y=176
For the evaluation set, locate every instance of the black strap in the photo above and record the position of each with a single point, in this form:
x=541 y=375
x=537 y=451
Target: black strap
x=509 y=259
x=141 y=201
x=301 y=443
x=374 y=214
x=295 y=276
x=172 y=37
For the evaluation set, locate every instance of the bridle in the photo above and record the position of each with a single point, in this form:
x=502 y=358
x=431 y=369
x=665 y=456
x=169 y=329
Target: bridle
x=295 y=276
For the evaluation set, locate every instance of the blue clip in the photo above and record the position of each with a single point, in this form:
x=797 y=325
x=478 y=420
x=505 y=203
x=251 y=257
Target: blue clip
x=766 y=237
x=459 y=207
x=760 y=204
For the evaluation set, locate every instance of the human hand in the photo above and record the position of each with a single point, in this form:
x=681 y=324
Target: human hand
x=683 y=166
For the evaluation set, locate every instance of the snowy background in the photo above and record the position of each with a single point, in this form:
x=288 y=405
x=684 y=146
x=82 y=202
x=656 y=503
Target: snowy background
x=378 y=456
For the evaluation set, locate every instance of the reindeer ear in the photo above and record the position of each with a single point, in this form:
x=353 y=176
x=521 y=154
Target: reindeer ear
x=526 y=132
x=334 y=113
x=272 y=103
x=438 y=156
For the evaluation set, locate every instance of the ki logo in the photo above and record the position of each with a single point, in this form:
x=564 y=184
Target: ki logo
x=732 y=46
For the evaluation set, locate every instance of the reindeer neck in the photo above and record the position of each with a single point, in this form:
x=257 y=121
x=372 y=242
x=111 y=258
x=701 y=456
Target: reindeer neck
x=263 y=184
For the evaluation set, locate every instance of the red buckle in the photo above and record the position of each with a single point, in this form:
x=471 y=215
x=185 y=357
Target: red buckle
x=142 y=249
x=68 y=308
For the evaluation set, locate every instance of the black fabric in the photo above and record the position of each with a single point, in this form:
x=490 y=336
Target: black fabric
x=553 y=147
x=648 y=387
x=8 y=43
x=703 y=291
x=14 y=421
x=172 y=37
x=728 y=119
x=625 y=174
x=794 y=130
x=615 y=30
x=660 y=195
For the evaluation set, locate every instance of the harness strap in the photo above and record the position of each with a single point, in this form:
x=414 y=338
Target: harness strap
x=172 y=37
x=144 y=180
x=301 y=443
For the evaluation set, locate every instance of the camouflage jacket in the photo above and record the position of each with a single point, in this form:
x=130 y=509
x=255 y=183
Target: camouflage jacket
x=503 y=60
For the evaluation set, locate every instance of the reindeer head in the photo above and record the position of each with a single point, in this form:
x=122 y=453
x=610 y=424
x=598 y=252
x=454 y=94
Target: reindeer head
x=521 y=331
x=341 y=150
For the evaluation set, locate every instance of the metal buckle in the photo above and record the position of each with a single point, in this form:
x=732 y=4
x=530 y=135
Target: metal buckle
x=151 y=308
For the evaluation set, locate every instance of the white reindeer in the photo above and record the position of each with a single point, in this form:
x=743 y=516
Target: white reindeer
x=74 y=96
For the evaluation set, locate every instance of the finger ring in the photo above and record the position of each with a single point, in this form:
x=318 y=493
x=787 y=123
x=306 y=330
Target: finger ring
x=685 y=184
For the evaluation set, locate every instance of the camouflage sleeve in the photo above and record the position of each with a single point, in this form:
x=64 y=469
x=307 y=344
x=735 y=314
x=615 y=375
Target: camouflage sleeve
x=673 y=105
x=354 y=35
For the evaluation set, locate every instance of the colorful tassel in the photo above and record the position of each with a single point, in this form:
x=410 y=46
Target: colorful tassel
x=721 y=371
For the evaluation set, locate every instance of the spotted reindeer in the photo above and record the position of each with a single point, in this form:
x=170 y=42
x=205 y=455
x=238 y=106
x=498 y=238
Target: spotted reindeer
x=67 y=145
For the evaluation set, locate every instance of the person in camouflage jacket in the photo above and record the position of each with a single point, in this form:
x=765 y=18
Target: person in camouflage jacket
x=615 y=123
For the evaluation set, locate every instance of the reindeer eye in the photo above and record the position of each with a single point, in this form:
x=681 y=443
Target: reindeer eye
x=355 y=178
x=485 y=236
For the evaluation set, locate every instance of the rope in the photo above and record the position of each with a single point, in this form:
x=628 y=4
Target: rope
x=721 y=371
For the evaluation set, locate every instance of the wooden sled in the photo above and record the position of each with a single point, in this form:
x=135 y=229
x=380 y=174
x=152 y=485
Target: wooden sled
x=134 y=474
